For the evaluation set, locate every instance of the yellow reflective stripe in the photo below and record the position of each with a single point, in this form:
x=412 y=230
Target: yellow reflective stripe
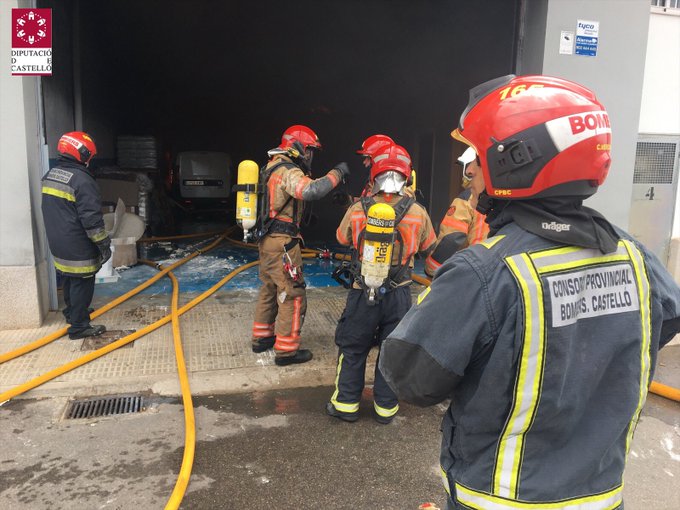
x=570 y=257
x=382 y=411
x=491 y=241
x=423 y=295
x=75 y=269
x=529 y=378
x=644 y=297
x=445 y=480
x=582 y=262
x=57 y=193
x=555 y=251
x=99 y=236
x=341 y=406
x=483 y=501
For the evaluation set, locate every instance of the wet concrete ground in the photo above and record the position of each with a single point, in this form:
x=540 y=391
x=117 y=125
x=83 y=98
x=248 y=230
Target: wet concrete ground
x=257 y=451
x=266 y=450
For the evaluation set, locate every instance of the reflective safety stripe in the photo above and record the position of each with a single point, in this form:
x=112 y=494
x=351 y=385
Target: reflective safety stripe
x=528 y=379
x=445 y=480
x=491 y=241
x=484 y=501
x=644 y=296
x=527 y=269
x=343 y=407
x=96 y=235
x=55 y=190
x=423 y=295
x=571 y=257
x=261 y=330
x=76 y=266
x=384 y=412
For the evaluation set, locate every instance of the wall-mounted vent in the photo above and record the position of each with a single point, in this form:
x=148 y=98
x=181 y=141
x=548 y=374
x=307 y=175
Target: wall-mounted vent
x=654 y=162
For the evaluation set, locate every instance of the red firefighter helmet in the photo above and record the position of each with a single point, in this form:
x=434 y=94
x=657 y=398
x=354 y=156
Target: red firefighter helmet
x=374 y=143
x=537 y=136
x=392 y=157
x=77 y=145
x=301 y=134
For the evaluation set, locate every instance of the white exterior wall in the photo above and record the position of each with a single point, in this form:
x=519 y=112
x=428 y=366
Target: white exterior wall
x=615 y=75
x=660 y=109
x=23 y=267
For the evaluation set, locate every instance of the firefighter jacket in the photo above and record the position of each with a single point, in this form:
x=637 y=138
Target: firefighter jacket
x=72 y=211
x=462 y=226
x=415 y=229
x=547 y=355
x=288 y=188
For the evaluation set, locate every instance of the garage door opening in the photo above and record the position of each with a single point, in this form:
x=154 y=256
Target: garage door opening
x=231 y=76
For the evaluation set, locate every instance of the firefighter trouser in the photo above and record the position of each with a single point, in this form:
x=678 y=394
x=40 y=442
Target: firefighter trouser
x=78 y=292
x=281 y=302
x=360 y=328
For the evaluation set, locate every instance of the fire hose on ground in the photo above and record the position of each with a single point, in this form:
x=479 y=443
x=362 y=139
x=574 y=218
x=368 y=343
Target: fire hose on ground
x=190 y=432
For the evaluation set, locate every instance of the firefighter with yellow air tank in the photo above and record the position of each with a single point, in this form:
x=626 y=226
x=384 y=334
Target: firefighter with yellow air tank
x=385 y=229
x=286 y=184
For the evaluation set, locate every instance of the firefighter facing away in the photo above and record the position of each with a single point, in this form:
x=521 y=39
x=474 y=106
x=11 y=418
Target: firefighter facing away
x=462 y=224
x=380 y=294
x=72 y=212
x=548 y=354
x=281 y=304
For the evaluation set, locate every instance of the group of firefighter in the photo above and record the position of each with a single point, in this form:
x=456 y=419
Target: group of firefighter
x=542 y=323
x=385 y=227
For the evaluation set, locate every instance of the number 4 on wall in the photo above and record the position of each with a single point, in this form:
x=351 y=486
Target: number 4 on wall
x=650 y=193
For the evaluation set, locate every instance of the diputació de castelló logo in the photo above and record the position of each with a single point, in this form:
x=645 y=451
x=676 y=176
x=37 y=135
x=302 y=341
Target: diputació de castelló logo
x=31 y=42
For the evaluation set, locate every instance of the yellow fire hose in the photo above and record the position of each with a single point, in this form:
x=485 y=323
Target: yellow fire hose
x=61 y=332
x=189 y=423
x=183 y=236
x=190 y=431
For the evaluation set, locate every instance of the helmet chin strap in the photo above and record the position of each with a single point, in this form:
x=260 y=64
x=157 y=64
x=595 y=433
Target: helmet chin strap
x=485 y=203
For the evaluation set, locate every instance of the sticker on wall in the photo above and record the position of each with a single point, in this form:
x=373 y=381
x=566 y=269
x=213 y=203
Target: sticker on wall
x=587 y=35
x=31 y=42
x=566 y=42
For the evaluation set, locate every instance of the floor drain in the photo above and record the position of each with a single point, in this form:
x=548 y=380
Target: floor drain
x=105 y=406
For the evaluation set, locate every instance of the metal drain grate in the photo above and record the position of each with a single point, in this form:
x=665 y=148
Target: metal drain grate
x=105 y=406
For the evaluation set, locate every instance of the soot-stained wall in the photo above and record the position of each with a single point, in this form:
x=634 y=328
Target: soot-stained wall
x=231 y=76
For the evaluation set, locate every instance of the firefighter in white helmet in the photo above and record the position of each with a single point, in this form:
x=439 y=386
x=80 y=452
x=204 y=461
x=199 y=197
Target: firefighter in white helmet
x=548 y=352
x=462 y=225
x=373 y=309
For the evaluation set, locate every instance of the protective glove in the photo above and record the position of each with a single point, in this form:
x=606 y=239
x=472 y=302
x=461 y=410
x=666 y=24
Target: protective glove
x=341 y=198
x=343 y=168
x=105 y=249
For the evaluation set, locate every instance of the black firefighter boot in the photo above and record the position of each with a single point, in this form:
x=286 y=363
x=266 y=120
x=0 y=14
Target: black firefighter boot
x=263 y=344
x=93 y=330
x=301 y=356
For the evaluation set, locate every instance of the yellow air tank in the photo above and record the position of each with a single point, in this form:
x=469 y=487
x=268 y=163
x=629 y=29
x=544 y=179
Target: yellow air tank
x=413 y=186
x=377 y=252
x=246 y=195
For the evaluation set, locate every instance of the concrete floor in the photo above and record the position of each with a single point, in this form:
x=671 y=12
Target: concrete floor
x=263 y=439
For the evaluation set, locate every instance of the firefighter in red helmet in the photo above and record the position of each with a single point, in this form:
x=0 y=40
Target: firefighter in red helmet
x=371 y=313
x=72 y=212
x=287 y=182
x=558 y=318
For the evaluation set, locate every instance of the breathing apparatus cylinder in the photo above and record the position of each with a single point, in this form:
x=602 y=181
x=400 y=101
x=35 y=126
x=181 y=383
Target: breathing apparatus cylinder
x=377 y=252
x=246 y=196
x=413 y=185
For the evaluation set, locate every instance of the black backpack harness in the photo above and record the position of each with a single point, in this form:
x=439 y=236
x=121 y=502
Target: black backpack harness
x=350 y=272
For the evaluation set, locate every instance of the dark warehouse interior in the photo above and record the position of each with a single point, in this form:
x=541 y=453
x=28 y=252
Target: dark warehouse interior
x=232 y=75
